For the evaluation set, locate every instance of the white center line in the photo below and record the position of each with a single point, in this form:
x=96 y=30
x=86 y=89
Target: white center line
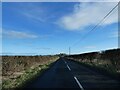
x=65 y=62
x=78 y=83
x=68 y=67
x=75 y=78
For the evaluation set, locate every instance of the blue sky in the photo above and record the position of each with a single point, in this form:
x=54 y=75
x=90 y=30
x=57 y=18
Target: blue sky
x=51 y=27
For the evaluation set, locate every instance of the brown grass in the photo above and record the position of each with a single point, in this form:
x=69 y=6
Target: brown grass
x=13 y=67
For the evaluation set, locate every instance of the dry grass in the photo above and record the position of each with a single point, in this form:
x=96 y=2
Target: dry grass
x=18 y=69
x=109 y=59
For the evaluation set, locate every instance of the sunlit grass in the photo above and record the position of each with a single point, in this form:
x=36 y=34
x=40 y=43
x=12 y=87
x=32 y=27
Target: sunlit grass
x=28 y=75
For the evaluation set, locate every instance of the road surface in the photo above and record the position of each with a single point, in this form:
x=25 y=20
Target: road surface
x=69 y=74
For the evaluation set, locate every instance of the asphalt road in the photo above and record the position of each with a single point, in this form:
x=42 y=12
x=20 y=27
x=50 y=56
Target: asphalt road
x=69 y=74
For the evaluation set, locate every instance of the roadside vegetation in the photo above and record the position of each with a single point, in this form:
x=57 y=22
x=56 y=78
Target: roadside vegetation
x=19 y=70
x=108 y=60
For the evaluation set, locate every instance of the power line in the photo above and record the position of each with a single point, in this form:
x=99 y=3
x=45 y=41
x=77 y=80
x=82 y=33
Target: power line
x=98 y=23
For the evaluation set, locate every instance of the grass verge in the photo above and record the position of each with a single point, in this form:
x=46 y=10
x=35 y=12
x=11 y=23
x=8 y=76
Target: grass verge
x=26 y=77
x=100 y=69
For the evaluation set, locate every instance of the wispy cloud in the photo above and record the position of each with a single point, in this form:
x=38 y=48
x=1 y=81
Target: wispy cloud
x=33 y=11
x=11 y=53
x=90 y=47
x=0 y=33
x=115 y=34
x=18 y=34
x=44 y=48
x=33 y=17
x=86 y=14
x=37 y=12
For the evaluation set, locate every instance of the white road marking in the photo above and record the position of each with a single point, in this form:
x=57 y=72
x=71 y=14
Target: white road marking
x=68 y=67
x=75 y=78
x=78 y=83
x=65 y=62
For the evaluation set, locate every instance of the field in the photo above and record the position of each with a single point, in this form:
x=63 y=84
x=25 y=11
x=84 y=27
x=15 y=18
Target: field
x=18 y=69
x=108 y=60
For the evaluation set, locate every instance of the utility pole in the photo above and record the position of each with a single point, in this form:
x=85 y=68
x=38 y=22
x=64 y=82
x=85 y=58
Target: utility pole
x=69 y=50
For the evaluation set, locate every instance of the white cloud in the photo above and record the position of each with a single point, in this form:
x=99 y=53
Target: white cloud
x=18 y=34
x=86 y=14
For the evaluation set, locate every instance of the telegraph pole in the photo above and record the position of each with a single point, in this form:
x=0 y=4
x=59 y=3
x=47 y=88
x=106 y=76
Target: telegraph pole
x=69 y=50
